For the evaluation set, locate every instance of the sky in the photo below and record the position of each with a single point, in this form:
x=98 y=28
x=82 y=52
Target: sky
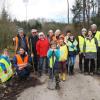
x=49 y=9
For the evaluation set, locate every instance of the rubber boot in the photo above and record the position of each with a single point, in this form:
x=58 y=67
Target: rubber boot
x=57 y=82
x=64 y=77
x=72 y=70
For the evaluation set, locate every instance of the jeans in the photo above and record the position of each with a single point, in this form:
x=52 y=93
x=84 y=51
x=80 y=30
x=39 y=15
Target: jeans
x=71 y=63
x=24 y=72
x=43 y=64
x=72 y=60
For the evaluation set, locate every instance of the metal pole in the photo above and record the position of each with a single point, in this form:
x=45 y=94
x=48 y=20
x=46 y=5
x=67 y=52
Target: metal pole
x=68 y=10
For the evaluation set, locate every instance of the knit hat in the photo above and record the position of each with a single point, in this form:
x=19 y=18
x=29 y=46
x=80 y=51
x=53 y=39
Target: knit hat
x=33 y=30
x=41 y=33
x=20 y=30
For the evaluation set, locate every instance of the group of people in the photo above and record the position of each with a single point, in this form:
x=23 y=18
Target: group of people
x=53 y=54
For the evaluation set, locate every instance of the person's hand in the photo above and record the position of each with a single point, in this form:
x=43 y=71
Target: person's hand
x=32 y=55
x=51 y=49
x=55 y=49
x=72 y=46
x=5 y=71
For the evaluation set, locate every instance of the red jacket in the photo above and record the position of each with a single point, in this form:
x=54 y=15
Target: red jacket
x=42 y=47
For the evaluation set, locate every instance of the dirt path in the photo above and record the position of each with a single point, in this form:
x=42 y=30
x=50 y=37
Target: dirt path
x=77 y=87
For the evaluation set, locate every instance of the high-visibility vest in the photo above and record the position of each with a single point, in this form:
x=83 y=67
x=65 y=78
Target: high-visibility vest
x=90 y=45
x=21 y=61
x=63 y=53
x=97 y=36
x=69 y=43
x=81 y=43
x=5 y=76
x=52 y=62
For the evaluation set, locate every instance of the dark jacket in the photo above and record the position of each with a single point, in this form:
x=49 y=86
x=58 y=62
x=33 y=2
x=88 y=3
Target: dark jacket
x=32 y=42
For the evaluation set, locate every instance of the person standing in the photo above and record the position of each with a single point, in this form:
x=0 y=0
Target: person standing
x=96 y=34
x=33 y=38
x=53 y=56
x=21 y=40
x=63 y=58
x=81 y=40
x=72 y=48
x=42 y=47
x=90 y=49
x=51 y=36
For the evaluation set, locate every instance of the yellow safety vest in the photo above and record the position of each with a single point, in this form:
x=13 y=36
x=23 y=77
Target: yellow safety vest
x=97 y=36
x=51 y=62
x=69 y=44
x=63 y=53
x=81 y=43
x=5 y=76
x=90 y=45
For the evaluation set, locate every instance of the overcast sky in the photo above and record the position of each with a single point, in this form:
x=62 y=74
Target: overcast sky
x=49 y=9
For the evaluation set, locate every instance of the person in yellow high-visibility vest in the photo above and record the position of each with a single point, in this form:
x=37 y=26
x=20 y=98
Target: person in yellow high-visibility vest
x=81 y=39
x=96 y=34
x=90 y=49
x=63 y=58
x=72 y=51
x=6 y=71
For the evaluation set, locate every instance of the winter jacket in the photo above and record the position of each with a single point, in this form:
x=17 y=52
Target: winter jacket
x=32 y=42
x=42 y=47
x=63 y=53
x=53 y=56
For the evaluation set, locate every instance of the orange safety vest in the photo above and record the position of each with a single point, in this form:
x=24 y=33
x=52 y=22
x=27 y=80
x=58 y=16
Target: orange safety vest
x=20 y=61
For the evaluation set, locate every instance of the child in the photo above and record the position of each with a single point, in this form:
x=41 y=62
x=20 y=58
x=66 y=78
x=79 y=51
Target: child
x=42 y=47
x=72 y=47
x=6 y=71
x=63 y=58
x=53 y=56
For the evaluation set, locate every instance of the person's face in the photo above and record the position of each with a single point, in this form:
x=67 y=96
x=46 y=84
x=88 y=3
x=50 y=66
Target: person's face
x=34 y=33
x=53 y=46
x=6 y=53
x=61 y=41
x=72 y=37
x=21 y=34
x=21 y=51
x=68 y=34
x=50 y=34
x=90 y=33
x=41 y=37
x=83 y=33
x=93 y=29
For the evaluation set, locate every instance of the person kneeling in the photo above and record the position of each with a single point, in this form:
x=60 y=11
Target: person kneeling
x=6 y=72
x=21 y=63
